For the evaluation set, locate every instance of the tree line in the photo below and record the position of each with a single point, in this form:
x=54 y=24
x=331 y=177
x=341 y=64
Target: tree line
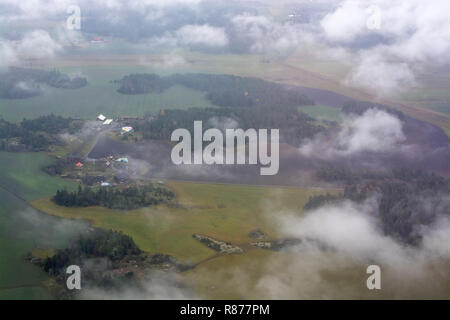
x=407 y=200
x=122 y=198
x=294 y=125
x=19 y=83
x=221 y=90
x=100 y=243
x=36 y=134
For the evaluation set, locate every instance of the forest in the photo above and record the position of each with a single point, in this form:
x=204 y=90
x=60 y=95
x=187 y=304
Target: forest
x=98 y=253
x=110 y=244
x=36 y=134
x=108 y=260
x=121 y=198
x=19 y=83
x=408 y=200
x=221 y=90
x=249 y=102
x=294 y=125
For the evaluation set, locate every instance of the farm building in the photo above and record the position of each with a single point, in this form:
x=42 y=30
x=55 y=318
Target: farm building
x=101 y=117
x=97 y=40
x=108 y=121
x=123 y=160
x=126 y=130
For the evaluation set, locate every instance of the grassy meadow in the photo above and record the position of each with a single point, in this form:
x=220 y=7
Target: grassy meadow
x=428 y=101
x=23 y=229
x=21 y=174
x=225 y=212
x=320 y=112
x=100 y=96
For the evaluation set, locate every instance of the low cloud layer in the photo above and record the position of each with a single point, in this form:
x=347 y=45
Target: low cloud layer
x=263 y=35
x=155 y=286
x=373 y=131
x=202 y=35
x=395 y=37
x=353 y=230
x=385 y=43
x=380 y=76
x=35 y=44
x=353 y=239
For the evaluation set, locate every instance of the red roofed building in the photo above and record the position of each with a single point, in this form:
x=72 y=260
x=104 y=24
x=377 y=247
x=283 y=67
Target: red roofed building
x=97 y=39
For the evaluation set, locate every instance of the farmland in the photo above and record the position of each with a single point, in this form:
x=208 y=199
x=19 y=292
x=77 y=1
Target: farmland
x=427 y=101
x=94 y=99
x=23 y=229
x=225 y=212
x=22 y=176
x=320 y=112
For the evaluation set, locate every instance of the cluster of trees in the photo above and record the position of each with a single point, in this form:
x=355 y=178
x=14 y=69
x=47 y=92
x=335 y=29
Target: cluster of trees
x=55 y=168
x=317 y=201
x=294 y=125
x=122 y=198
x=407 y=200
x=19 y=83
x=100 y=253
x=51 y=124
x=345 y=175
x=34 y=135
x=20 y=89
x=222 y=90
x=113 y=245
x=141 y=83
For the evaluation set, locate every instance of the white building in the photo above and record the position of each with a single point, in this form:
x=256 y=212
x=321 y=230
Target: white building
x=123 y=160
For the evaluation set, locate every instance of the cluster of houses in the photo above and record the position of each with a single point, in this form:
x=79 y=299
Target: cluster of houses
x=120 y=165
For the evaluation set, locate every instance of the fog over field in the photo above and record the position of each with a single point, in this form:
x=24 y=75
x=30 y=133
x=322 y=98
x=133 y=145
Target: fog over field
x=386 y=42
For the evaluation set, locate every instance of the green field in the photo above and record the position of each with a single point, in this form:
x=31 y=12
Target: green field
x=88 y=102
x=100 y=96
x=264 y=274
x=319 y=112
x=21 y=174
x=23 y=229
x=225 y=212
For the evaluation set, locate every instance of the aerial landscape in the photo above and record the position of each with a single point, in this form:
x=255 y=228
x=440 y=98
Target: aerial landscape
x=224 y=150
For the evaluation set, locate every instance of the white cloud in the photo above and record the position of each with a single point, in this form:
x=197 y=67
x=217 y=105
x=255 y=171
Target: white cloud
x=156 y=285
x=38 y=44
x=409 y=32
x=380 y=76
x=374 y=131
x=264 y=35
x=41 y=9
x=354 y=239
x=346 y=22
x=353 y=229
x=7 y=55
x=350 y=228
x=204 y=35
